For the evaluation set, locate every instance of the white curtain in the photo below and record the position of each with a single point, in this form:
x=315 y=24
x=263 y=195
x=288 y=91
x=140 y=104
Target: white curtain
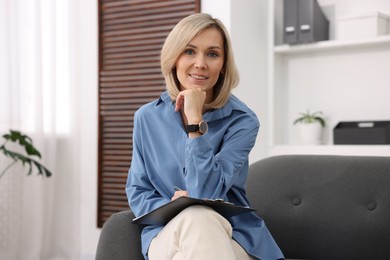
x=39 y=217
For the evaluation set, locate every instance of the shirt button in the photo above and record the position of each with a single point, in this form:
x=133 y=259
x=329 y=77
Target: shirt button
x=188 y=148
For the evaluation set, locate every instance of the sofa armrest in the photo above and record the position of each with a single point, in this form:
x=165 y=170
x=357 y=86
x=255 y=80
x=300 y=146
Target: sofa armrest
x=120 y=239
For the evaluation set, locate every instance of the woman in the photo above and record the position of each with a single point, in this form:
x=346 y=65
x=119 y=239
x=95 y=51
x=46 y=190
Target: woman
x=197 y=136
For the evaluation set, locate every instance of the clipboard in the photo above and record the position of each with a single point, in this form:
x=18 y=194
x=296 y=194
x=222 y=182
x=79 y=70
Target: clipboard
x=166 y=212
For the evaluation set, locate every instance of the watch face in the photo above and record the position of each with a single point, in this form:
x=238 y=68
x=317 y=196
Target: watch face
x=203 y=127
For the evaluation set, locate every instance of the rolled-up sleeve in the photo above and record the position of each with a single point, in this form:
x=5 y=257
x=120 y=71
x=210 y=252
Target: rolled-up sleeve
x=211 y=173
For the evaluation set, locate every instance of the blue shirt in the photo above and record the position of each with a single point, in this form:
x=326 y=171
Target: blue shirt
x=214 y=165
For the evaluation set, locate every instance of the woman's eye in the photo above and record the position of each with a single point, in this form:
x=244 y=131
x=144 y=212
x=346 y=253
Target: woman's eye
x=213 y=54
x=189 y=51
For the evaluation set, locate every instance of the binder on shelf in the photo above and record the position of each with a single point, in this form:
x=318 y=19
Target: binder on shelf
x=363 y=132
x=290 y=21
x=166 y=212
x=304 y=22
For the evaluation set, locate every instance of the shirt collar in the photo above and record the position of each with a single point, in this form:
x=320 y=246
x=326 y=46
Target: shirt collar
x=164 y=97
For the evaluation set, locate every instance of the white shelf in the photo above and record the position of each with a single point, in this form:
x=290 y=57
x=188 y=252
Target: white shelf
x=332 y=45
x=361 y=150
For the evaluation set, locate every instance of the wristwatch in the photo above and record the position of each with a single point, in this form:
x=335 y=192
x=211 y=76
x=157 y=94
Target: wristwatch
x=201 y=128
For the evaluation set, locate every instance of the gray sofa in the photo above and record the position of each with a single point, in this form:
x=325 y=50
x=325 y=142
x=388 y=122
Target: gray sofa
x=316 y=207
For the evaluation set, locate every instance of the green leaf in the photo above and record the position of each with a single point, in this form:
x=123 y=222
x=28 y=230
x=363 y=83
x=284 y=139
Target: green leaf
x=23 y=140
x=18 y=157
x=26 y=142
x=42 y=170
x=310 y=118
x=321 y=120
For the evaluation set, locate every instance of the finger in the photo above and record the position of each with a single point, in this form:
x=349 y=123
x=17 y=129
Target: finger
x=179 y=102
x=181 y=193
x=176 y=197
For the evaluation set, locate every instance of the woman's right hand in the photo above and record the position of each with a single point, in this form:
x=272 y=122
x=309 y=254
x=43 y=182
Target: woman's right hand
x=191 y=102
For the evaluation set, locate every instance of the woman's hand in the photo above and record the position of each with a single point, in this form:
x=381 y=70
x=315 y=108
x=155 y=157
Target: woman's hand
x=191 y=102
x=178 y=194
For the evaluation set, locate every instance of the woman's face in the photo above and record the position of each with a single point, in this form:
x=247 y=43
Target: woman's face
x=200 y=65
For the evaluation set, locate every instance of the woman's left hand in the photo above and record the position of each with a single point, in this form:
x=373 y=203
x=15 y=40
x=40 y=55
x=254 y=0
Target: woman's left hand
x=178 y=194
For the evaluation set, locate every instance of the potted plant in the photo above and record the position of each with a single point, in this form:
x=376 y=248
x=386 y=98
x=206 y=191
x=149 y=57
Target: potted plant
x=25 y=159
x=310 y=127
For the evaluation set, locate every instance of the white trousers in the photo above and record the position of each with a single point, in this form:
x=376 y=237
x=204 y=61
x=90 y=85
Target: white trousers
x=198 y=232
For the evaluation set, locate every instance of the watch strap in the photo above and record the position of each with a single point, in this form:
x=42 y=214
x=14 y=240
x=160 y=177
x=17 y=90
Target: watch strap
x=192 y=128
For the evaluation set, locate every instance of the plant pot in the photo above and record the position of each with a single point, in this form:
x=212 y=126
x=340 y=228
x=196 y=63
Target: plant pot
x=310 y=133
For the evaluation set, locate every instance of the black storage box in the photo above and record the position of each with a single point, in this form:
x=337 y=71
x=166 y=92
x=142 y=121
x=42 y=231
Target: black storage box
x=364 y=132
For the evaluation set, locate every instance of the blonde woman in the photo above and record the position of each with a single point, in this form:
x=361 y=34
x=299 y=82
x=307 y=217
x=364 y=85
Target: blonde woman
x=197 y=136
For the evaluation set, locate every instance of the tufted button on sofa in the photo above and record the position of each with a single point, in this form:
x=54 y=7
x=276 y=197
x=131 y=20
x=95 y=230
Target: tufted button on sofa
x=316 y=206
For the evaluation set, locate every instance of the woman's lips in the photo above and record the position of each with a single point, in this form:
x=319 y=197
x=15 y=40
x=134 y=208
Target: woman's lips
x=198 y=77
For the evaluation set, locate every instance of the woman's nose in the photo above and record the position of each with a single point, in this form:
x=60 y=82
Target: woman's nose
x=200 y=62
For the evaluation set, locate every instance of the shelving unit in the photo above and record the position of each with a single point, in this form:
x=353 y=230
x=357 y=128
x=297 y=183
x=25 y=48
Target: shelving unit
x=348 y=80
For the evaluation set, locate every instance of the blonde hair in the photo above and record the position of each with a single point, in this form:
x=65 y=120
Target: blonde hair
x=177 y=41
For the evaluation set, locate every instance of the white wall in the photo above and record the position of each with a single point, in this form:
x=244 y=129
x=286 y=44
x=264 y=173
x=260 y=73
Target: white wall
x=247 y=24
x=85 y=62
x=248 y=33
x=220 y=9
